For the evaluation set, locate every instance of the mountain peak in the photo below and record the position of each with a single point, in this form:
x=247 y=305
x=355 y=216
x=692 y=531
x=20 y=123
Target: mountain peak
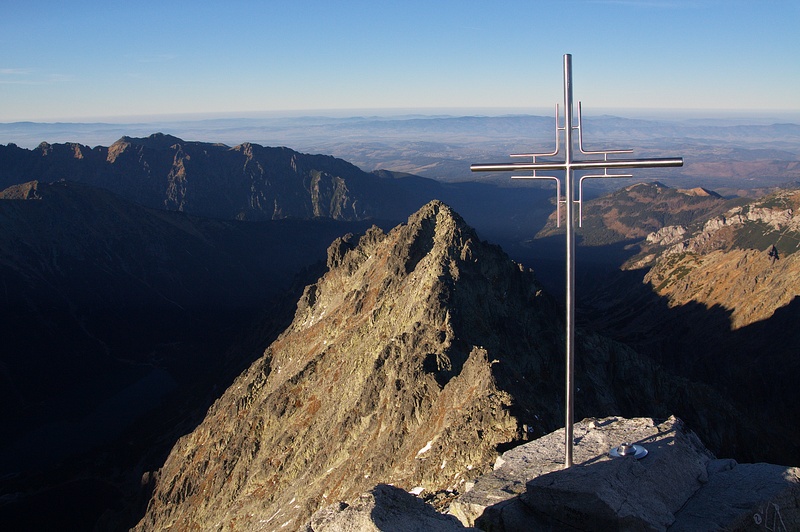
x=417 y=355
x=389 y=372
x=442 y=216
x=434 y=226
x=156 y=141
x=699 y=191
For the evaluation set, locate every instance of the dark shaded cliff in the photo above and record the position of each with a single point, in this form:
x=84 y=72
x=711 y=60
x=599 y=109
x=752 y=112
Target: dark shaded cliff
x=246 y=182
x=117 y=323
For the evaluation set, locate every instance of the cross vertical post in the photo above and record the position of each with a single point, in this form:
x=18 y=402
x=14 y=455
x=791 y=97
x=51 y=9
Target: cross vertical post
x=569 y=165
x=569 y=406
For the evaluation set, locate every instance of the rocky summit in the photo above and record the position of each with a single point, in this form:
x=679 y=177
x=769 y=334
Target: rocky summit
x=672 y=482
x=411 y=362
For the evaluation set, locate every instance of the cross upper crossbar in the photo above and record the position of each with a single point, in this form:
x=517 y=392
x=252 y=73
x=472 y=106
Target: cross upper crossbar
x=569 y=166
x=579 y=165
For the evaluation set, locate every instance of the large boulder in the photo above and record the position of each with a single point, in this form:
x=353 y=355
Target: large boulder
x=677 y=485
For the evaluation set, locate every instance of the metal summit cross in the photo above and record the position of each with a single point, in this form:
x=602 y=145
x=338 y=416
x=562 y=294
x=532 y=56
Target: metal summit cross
x=598 y=161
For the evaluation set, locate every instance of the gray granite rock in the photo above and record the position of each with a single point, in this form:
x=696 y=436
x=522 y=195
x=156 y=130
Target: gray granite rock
x=677 y=486
x=744 y=497
x=593 y=439
x=384 y=508
x=636 y=494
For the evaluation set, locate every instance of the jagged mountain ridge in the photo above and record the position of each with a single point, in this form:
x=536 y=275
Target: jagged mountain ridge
x=350 y=351
x=256 y=183
x=411 y=361
x=632 y=212
x=733 y=249
x=246 y=182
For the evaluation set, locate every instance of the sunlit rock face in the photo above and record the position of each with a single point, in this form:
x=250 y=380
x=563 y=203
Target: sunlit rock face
x=410 y=362
x=727 y=262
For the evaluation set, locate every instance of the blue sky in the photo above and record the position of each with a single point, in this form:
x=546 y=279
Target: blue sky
x=85 y=60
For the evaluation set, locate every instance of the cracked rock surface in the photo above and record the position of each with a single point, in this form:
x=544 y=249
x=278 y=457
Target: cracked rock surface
x=678 y=485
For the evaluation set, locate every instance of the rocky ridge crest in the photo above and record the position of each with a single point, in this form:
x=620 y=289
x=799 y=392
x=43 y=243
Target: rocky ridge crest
x=635 y=211
x=732 y=249
x=246 y=182
x=410 y=362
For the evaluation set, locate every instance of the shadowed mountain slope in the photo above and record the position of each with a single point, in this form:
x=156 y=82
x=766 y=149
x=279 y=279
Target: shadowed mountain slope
x=246 y=182
x=80 y=264
x=706 y=299
x=117 y=323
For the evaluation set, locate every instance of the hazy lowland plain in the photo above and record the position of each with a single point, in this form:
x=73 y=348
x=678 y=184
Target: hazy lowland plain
x=739 y=158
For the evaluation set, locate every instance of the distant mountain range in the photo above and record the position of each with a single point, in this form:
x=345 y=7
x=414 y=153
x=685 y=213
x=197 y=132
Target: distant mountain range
x=722 y=154
x=252 y=182
x=247 y=182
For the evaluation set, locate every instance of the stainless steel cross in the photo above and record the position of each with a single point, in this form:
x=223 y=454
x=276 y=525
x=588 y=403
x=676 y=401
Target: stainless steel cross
x=599 y=161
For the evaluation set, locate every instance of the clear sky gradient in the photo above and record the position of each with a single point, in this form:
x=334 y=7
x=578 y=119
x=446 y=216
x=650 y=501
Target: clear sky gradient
x=89 y=60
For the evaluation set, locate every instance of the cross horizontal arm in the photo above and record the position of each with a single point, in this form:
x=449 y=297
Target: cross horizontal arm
x=579 y=165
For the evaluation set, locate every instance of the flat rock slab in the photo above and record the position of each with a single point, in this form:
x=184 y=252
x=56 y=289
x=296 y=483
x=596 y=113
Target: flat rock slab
x=594 y=438
x=635 y=494
x=678 y=485
x=744 y=497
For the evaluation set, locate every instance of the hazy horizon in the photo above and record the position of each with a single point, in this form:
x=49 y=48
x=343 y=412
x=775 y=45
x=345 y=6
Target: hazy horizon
x=319 y=130
x=660 y=113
